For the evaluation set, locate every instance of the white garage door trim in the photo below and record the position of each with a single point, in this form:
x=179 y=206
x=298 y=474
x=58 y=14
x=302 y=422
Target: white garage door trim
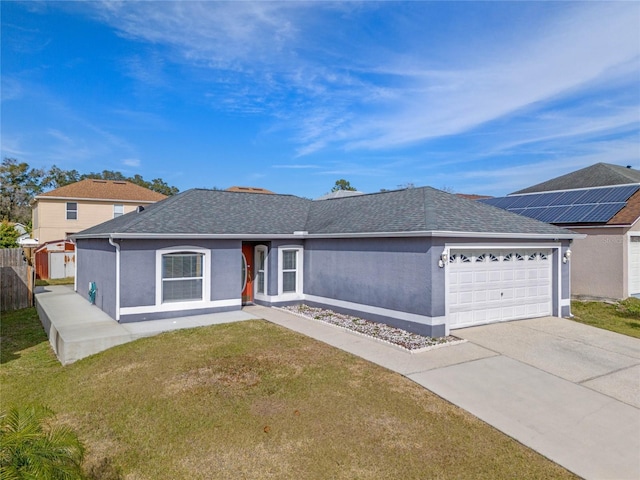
x=634 y=265
x=487 y=285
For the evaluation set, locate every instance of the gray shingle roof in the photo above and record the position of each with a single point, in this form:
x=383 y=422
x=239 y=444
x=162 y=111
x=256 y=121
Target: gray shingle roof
x=598 y=175
x=214 y=212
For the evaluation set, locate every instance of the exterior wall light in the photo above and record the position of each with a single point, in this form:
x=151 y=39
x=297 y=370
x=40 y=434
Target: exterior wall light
x=566 y=256
x=444 y=258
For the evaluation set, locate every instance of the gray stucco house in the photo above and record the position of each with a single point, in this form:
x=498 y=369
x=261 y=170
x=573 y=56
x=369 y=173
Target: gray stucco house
x=421 y=259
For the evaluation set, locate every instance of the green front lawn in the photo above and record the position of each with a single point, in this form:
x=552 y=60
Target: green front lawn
x=621 y=317
x=252 y=400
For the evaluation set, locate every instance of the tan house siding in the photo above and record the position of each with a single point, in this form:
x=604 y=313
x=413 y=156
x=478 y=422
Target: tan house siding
x=598 y=263
x=53 y=213
x=95 y=201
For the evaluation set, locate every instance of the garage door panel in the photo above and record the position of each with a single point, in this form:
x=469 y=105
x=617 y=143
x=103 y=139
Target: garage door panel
x=498 y=285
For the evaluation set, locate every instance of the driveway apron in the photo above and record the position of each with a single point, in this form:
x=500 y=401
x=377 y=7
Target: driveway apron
x=567 y=390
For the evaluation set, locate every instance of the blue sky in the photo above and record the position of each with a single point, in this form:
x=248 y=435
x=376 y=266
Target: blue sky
x=474 y=97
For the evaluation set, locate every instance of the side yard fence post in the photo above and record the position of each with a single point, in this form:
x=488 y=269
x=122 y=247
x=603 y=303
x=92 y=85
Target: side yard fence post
x=16 y=280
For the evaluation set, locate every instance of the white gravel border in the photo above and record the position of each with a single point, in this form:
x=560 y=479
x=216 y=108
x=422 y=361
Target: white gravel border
x=380 y=332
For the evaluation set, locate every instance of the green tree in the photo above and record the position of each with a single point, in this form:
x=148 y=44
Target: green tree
x=32 y=448
x=157 y=184
x=56 y=177
x=8 y=235
x=342 y=184
x=18 y=185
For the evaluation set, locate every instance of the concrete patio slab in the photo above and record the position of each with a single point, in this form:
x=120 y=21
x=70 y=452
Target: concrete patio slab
x=77 y=329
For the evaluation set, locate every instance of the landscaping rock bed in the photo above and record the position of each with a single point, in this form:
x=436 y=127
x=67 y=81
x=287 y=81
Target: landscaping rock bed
x=379 y=331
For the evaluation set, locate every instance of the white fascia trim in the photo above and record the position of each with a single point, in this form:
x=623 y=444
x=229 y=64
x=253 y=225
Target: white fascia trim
x=572 y=189
x=505 y=246
x=410 y=317
x=258 y=237
x=110 y=200
x=180 y=306
x=430 y=233
x=526 y=236
x=191 y=236
x=620 y=225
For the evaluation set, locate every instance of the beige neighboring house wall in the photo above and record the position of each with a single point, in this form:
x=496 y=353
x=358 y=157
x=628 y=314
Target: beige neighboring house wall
x=95 y=200
x=50 y=216
x=598 y=263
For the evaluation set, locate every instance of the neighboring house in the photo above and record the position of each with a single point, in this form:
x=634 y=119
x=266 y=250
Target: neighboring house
x=420 y=259
x=603 y=202
x=70 y=209
x=236 y=188
x=22 y=231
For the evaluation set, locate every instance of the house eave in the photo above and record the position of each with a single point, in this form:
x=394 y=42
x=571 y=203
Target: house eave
x=303 y=235
x=78 y=199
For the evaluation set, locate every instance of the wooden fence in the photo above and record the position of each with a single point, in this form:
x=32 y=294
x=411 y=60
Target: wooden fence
x=16 y=280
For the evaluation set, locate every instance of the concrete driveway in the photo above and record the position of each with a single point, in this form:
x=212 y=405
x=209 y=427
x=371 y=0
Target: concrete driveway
x=567 y=390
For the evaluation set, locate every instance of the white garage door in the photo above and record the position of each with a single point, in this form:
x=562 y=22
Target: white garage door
x=634 y=265
x=498 y=285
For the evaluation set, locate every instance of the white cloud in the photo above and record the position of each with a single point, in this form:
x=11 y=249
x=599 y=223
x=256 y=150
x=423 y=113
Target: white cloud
x=498 y=179
x=293 y=61
x=584 y=50
x=296 y=166
x=131 y=162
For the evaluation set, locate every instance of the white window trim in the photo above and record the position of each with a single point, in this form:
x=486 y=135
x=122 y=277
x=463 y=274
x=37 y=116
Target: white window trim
x=256 y=295
x=206 y=278
x=66 y=211
x=114 y=210
x=298 y=294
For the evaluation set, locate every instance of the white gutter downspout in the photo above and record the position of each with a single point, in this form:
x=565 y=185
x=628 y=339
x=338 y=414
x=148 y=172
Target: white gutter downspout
x=117 y=247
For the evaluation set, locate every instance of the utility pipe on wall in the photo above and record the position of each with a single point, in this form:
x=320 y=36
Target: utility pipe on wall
x=117 y=247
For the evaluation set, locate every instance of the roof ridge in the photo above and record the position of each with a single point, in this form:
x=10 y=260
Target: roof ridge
x=153 y=208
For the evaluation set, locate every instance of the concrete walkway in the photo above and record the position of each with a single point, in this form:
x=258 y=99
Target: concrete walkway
x=566 y=390
x=77 y=329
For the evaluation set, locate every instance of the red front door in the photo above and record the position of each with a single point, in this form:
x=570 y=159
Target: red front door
x=247 y=273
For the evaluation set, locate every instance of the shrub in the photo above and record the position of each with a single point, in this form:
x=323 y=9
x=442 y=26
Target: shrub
x=630 y=306
x=31 y=448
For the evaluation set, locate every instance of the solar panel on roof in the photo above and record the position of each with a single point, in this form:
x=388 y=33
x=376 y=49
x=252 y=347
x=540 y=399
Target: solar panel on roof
x=604 y=213
x=574 y=214
x=586 y=205
x=521 y=201
x=502 y=202
x=619 y=194
x=543 y=199
x=593 y=196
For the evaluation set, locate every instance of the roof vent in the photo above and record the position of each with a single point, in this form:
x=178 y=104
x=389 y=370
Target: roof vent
x=117 y=182
x=139 y=209
x=628 y=166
